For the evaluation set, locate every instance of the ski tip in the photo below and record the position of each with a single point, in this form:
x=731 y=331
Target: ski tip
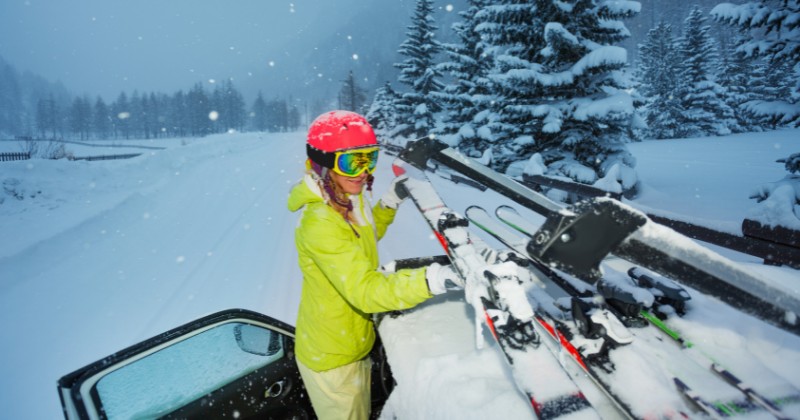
x=398 y=170
x=680 y=384
x=506 y=207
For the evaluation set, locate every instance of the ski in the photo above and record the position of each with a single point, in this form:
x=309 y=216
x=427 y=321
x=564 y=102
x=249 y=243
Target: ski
x=672 y=295
x=494 y=292
x=711 y=410
x=754 y=395
x=576 y=239
x=784 y=394
x=510 y=216
x=724 y=406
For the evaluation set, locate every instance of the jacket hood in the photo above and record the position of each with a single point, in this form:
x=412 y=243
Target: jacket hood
x=304 y=192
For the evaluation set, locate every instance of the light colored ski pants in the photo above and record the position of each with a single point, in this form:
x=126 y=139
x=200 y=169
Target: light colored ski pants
x=340 y=393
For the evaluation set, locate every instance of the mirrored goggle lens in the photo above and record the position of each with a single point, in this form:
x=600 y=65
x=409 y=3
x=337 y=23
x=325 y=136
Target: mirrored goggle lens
x=353 y=163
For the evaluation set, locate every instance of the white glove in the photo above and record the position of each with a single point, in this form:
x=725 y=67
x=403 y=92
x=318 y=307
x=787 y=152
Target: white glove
x=397 y=193
x=442 y=279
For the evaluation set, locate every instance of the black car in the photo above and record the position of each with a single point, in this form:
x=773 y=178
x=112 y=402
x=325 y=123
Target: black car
x=235 y=364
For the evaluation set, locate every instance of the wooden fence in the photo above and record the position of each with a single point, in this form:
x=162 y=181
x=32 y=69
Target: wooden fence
x=7 y=157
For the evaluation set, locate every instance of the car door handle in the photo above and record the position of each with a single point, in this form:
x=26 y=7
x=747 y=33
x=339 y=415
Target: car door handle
x=275 y=389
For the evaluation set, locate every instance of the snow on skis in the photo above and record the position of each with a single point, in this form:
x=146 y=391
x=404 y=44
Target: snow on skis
x=666 y=297
x=495 y=289
x=564 y=240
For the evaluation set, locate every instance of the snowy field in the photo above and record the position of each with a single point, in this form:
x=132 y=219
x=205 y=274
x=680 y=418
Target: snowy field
x=96 y=256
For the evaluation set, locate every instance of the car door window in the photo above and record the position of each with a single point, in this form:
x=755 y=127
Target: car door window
x=167 y=378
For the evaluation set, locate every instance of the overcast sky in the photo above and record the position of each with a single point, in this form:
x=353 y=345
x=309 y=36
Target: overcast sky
x=107 y=46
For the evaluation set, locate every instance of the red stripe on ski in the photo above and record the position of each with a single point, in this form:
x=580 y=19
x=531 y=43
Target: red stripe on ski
x=536 y=407
x=442 y=241
x=564 y=342
x=490 y=323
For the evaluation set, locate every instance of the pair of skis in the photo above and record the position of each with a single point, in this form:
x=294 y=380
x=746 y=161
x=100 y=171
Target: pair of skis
x=519 y=327
x=629 y=302
x=496 y=291
x=532 y=341
x=578 y=238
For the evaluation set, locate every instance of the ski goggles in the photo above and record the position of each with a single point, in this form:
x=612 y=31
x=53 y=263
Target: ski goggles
x=353 y=163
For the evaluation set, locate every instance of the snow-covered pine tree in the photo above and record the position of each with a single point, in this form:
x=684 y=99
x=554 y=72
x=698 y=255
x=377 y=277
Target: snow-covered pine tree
x=136 y=115
x=658 y=61
x=11 y=104
x=772 y=29
x=769 y=85
x=277 y=115
x=101 y=119
x=506 y=31
x=737 y=77
x=120 y=109
x=561 y=86
x=230 y=105
x=418 y=107
x=177 y=115
x=258 y=113
x=80 y=117
x=468 y=94
x=705 y=111
x=352 y=97
x=382 y=114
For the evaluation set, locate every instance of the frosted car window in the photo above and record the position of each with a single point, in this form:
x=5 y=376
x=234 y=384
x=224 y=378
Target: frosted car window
x=183 y=372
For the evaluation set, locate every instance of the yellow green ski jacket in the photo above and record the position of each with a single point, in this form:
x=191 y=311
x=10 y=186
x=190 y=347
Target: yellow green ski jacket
x=341 y=284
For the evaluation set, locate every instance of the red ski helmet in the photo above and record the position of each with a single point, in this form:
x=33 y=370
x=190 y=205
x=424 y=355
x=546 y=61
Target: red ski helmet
x=335 y=131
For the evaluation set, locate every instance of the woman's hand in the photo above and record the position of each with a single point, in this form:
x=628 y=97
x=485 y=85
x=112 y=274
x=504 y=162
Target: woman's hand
x=397 y=193
x=442 y=279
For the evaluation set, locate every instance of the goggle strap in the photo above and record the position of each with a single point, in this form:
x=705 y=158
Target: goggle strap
x=322 y=158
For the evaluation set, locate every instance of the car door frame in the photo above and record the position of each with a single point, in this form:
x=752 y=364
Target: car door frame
x=80 y=399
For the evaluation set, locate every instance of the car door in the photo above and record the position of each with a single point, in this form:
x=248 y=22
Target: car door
x=232 y=364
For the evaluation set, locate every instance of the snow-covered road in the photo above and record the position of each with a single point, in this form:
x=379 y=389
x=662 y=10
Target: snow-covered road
x=96 y=256
x=158 y=241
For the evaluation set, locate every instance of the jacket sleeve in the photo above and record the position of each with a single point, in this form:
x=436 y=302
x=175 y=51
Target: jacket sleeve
x=383 y=216
x=339 y=259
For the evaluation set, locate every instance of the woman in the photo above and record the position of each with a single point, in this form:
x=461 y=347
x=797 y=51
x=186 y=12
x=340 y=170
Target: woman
x=337 y=250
